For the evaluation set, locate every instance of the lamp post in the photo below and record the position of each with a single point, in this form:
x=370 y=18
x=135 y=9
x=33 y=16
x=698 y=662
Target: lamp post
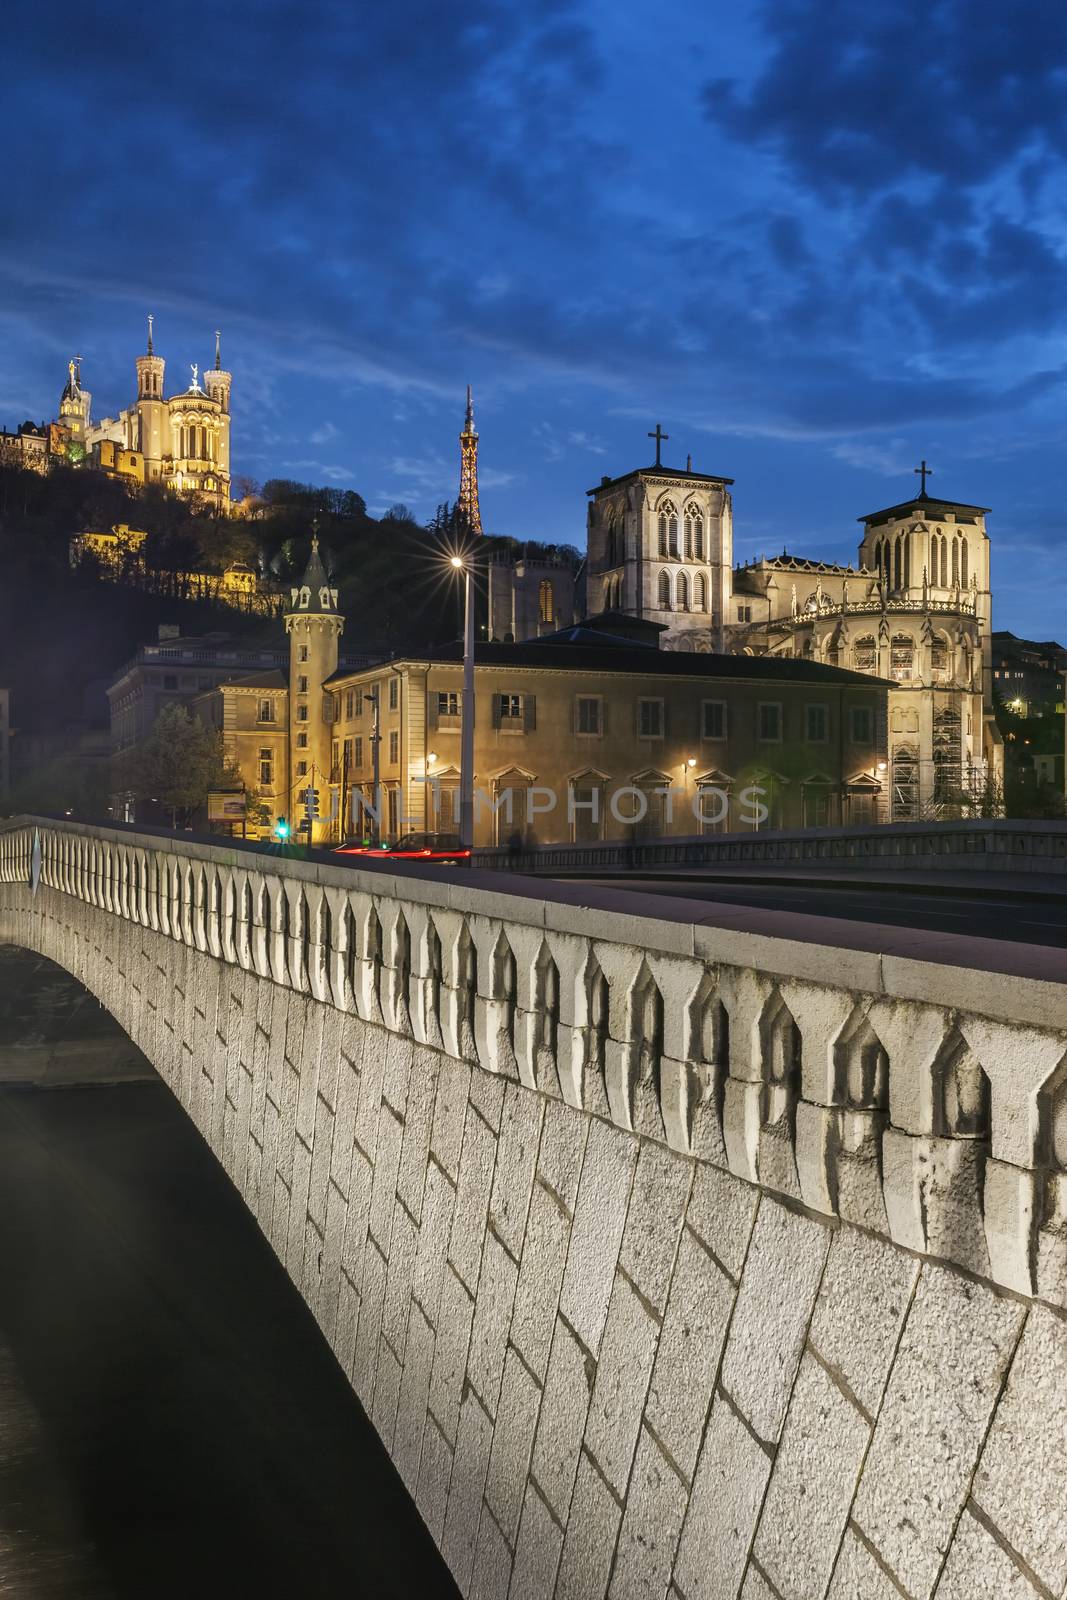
x=466 y=748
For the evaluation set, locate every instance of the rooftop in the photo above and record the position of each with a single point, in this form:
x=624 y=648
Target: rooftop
x=922 y=503
x=660 y=471
x=625 y=657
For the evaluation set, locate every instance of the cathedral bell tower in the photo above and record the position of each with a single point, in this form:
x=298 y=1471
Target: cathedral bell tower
x=314 y=625
x=153 y=423
x=217 y=383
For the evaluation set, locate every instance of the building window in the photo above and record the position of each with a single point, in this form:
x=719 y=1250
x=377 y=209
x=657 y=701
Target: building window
x=683 y=592
x=694 y=534
x=170 y=680
x=769 y=722
x=664 y=590
x=545 y=609
x=394 y=693
x=744 y=613
x=392 y=800
x=866 y=654
x=350 y=702
x=448 y=703
x=301 y=769
x=817 y=724
x=266 y=711
x=588 y=713
x=509 y=708
x=301 y=686
x=302 y=652
x=901 y=656
x=861 y=725
x=301 y=713
x=301 y=741
x=816 y=801
x=357 y=751
x=394 y=744
x=266 y=767
x=713 y=723
x=650 y=719
x=668 y=529
x=700 y=593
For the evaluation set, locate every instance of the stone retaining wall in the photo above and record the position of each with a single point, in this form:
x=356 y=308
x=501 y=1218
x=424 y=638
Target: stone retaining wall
x=665 y=1260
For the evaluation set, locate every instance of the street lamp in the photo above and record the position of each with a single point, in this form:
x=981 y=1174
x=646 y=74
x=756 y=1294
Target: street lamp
x=466 y=747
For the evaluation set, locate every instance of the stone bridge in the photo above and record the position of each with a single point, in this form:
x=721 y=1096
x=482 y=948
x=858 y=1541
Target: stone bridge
x=672 y=1249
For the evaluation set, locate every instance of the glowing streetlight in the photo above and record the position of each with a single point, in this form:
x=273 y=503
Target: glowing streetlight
x=466 y=747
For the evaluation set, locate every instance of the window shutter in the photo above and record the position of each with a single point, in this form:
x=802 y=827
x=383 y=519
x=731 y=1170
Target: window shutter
x=604 y=714
x=496 y=710
x=431 y=708
x=529 y=712
x=664 y=730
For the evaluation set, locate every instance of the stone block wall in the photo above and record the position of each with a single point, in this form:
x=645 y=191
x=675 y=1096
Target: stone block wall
x=604 y=1365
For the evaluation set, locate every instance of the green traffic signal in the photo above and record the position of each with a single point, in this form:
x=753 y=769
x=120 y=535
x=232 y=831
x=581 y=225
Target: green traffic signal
x=281 y=829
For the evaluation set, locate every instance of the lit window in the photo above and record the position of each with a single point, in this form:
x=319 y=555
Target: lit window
x=769 y=722
x=509 y=707
x=544 y=602
x=394 y=693
x=394 y=744
x=266 y=768
x=266 y=711
x=448 y=703
x=588 y=713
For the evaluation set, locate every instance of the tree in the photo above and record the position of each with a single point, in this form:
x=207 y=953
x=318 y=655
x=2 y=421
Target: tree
x=177 y=765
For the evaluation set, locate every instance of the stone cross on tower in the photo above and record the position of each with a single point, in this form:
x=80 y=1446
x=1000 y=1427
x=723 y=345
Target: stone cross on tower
x=923 y=471
x=660 y=438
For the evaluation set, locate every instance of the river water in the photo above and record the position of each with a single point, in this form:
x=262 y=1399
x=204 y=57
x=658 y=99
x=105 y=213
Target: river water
x=171 y=1421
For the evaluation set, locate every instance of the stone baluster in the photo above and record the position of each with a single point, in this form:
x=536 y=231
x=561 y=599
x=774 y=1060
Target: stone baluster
x=317 y=943
x=456 y=999
x=424 y=984
x=494 y=1000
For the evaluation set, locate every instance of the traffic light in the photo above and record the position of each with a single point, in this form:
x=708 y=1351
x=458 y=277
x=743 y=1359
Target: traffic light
x=281 y=829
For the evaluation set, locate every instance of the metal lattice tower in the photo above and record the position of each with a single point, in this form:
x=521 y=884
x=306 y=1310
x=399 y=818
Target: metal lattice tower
x=469 y=509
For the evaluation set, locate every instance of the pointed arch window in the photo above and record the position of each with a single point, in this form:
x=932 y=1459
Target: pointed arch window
x=668 y=529
x=683 y=592
x=955 y=560
x=545 y=606
x=963 y=563
x=694 y=533
x=700 y=592
x=867 y=654
x=665 y=591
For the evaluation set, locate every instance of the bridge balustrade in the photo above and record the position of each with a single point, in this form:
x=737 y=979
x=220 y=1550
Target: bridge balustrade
x=896 y=1085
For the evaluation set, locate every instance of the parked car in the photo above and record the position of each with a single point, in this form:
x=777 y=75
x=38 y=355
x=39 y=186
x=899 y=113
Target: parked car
x=446 y=848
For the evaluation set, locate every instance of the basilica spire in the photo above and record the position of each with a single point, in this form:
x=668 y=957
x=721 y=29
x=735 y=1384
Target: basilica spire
x=469 y=509
x=151 y=319
x=218 y=350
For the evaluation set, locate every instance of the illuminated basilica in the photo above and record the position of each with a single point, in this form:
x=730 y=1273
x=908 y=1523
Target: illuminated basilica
x=181 y=441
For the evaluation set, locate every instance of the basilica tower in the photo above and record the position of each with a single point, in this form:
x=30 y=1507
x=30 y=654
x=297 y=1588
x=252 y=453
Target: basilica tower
x=217 y=383
x=314 y=625
x=153 y=423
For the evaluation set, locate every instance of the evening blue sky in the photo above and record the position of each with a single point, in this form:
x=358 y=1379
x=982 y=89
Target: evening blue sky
x=816 y=241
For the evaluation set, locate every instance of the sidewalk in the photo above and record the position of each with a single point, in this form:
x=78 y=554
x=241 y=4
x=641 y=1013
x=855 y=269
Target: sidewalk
x=1011 y=885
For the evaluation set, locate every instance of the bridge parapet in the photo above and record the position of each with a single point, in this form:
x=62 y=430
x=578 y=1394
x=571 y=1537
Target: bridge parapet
x=908 y=1086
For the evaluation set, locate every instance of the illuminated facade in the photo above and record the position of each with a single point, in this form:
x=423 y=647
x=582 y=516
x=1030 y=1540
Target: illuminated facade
x=181 y=441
